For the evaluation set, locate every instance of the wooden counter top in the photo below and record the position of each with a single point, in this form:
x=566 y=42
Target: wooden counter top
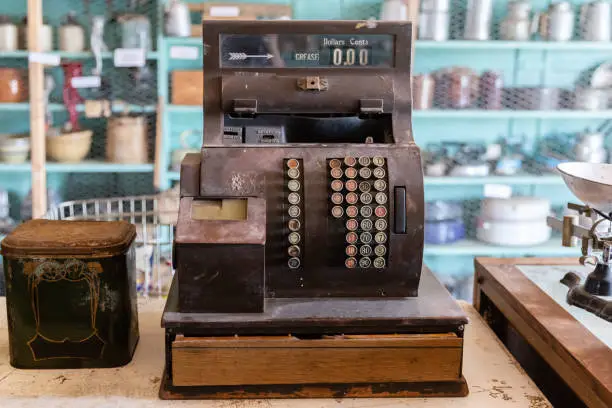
x=494 y=377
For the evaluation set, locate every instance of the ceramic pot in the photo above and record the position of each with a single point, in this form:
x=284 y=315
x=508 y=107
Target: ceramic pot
x=12 y=85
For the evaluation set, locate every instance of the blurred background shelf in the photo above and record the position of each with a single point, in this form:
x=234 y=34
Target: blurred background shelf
x=527 y=179
x=472 y=248
x=514 y=45
x=87 y=166
x=152 y=55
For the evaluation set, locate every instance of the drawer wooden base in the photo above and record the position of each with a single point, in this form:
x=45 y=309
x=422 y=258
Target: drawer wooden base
x=398 y=365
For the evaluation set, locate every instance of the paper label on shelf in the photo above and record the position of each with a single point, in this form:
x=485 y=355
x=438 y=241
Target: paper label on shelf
x=44 y=58
x=86 y=82
x=129 y=57
x=224 y=11
x=497 y=191
x=186 y=53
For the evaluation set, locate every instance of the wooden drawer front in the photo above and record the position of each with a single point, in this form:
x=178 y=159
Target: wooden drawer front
x=188 y=88
x=200 y=361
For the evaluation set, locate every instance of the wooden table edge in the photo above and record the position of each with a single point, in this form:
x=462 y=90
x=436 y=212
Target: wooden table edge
x=492 y=277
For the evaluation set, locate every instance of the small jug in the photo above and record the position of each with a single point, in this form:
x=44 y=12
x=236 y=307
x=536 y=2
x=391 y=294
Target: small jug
x=595 y=21
x=557 y=23
x=518 y=25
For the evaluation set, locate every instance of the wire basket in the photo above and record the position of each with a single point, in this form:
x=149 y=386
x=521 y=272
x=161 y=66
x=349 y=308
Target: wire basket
x=154 y=218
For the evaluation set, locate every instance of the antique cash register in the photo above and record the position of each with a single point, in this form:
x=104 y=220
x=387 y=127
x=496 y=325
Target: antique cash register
x=299 y=244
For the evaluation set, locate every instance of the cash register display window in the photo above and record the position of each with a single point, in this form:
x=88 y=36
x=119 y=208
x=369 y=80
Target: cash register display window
x=307 y=51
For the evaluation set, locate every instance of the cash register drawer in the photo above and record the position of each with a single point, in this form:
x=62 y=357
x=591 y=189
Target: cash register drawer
x=208 y=361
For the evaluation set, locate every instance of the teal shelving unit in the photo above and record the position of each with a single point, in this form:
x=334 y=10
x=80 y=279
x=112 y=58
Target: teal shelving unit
x=533 y=63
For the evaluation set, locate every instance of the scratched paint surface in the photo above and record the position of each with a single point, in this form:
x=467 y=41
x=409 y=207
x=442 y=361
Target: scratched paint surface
x=547 y=277
x=494 y=377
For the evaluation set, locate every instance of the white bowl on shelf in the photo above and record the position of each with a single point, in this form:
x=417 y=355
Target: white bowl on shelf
x=513 y=233
x=515 y=209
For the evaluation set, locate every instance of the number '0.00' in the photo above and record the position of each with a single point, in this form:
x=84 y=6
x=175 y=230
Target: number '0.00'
x=347 y=57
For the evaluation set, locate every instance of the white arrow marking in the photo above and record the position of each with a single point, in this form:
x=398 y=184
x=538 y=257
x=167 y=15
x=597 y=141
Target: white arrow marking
x=240 y=56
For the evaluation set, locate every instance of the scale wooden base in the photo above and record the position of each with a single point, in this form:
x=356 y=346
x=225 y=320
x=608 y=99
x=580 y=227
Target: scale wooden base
x=318 y=348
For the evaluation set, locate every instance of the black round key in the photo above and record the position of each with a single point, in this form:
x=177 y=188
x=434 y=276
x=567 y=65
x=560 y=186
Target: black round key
x=365 y=237
x=352 y=224
x=365 y=250
x=365 y=198
x=364 y=161
x=351 y=237
x=350 y=172
x=380 y=237
x=366 y=224
x=380 y=250
x=293 y=198
x=379 y=172
x=293 y=163
x=294 y=225
x=352 y=198
x=380 y=185
x=380 y=224
x=293 y=173
x=337 y=185
x=294 y=211
x=352 y=211
x=365 y=173
x=293 y=185
x=366 y=211
x=365 y=186
x=378 y=161
x=336 y=173
x=337 y=198
x=381 y=198
x=351 y=185
x=294 y=238
x=294 y=263
x=337 y=211
x=350 y=161
x=294 y=251
x=379 y=263
x=335 y=163
x=365 y=262
x=350 y=263
x=351 y=250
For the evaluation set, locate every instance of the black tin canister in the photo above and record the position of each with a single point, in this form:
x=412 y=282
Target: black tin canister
x=71 y=294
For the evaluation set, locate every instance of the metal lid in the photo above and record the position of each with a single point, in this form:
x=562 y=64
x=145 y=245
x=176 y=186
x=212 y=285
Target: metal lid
x=76 y=238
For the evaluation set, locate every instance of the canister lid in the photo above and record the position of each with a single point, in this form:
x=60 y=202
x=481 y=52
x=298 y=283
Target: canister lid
x=78 y=238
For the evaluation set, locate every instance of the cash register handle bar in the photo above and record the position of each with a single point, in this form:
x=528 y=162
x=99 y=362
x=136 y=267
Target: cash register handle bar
x=299 y=242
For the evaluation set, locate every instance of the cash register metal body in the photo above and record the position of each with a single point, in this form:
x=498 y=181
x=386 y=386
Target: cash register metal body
x=299 y=243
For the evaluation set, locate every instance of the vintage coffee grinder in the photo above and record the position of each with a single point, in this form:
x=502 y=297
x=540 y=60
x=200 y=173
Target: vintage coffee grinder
x=299 y=243
x=592 y=184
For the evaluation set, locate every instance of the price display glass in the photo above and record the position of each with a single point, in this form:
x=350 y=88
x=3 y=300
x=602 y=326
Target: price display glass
x=307 y=51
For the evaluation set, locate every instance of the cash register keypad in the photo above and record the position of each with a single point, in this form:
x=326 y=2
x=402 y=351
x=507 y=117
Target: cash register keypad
x=294 y=203
x=358 y=202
